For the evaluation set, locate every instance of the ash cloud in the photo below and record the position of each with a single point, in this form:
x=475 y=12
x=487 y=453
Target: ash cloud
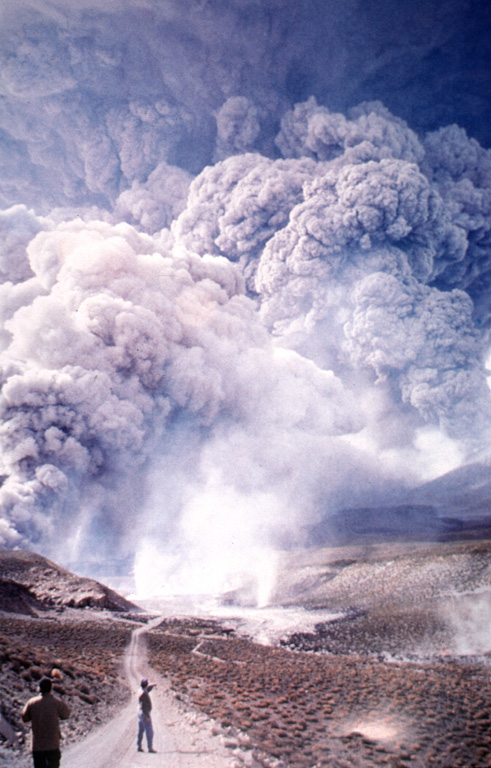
x=105 y=94
x=240 y=289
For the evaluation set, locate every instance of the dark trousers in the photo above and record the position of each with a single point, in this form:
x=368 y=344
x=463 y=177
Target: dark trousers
x=47 y=759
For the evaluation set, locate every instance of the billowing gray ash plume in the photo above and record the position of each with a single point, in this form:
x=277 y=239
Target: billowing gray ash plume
x=238 y=291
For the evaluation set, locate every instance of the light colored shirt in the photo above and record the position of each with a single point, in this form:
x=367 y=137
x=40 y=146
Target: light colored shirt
x=45 y=712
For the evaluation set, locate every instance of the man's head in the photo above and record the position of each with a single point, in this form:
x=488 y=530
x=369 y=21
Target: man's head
x=45 y=685
x=144 y=684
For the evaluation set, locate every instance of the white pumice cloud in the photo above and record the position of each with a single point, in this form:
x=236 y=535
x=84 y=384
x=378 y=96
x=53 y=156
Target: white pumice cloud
x=153 y=205
x=234 y=277
x=18 y=226
x=121 y=342
x=235 y=206
x=424 y=339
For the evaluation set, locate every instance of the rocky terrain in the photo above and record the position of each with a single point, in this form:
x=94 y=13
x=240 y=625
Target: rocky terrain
x=82 y=655
x=44 y=585
x=55 y=623
x=400 y=678
x=338 y=710
x=404 y=571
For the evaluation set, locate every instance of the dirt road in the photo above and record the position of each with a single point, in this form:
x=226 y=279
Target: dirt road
x=182 y=739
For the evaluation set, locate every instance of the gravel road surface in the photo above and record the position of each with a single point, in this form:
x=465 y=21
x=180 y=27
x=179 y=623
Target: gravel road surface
x=182 y=740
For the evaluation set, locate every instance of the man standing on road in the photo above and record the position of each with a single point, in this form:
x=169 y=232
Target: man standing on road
x=145 y=718
x=44 y=712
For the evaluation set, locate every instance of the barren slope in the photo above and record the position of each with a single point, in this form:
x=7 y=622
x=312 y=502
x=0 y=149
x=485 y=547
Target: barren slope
x=51 y=585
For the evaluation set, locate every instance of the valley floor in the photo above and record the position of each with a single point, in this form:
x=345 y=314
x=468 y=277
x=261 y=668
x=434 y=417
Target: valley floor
x=330 y=709
x=387 y=684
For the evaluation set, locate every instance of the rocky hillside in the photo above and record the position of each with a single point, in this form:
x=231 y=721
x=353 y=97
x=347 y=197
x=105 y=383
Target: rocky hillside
x=392 y=573
x=30 y=583
x=43 y=633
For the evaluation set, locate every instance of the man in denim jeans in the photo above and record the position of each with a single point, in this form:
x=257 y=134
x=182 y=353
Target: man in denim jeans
x=145 y=718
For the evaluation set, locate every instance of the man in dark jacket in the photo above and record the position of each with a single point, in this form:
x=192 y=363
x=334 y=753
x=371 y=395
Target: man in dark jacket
x=44 y=712
x=145 y=718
